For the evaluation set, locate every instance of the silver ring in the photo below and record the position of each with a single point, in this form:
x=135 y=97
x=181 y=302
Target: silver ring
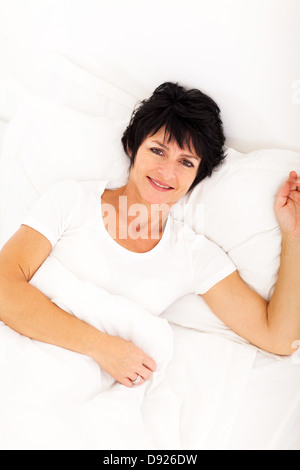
x=137 y=380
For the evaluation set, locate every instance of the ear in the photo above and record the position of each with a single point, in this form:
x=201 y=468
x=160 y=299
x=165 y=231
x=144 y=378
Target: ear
x=129 y=152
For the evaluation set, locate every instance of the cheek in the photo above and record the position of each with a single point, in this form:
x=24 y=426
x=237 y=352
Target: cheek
x=148 y=167
x=188 y=177
x=142 y=162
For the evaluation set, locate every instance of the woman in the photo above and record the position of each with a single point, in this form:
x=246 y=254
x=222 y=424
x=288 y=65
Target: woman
x=174 y=140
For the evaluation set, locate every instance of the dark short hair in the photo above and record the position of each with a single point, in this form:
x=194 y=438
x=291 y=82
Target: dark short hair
x=188 y=116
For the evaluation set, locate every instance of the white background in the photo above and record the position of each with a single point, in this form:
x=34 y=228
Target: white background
x=244 y=53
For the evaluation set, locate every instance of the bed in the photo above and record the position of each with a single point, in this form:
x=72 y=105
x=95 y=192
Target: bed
x=67 y=101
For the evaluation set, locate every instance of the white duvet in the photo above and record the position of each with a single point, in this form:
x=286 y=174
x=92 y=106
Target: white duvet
x=52 y=398
x=212 y=389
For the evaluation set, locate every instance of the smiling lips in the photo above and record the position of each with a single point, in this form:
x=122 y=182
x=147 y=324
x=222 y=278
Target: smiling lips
x=159 y=185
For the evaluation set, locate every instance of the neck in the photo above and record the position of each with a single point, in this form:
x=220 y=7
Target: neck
x=139 y=218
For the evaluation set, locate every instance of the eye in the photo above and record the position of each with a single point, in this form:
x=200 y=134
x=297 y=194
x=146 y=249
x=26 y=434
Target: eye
x=157 y=151
x=187 y=164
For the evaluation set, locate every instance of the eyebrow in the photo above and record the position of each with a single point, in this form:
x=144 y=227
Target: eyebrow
x=195 y=157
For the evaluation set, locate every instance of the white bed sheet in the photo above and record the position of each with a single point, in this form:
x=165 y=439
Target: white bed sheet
x=56 y=398
x=3 y=126
x=217 y=395
x=219 y=392
x=184 y=412
x=209 y=392
x=269 y=412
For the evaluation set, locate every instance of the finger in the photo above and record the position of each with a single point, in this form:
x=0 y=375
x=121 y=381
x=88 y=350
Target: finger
x=149 y=363
x=139 y=372
x=294 y=180
x=293 y=175
x=133 y=375
x=139 y=382
x=126 y=382
x=145 y=373
x=282 y=195
x=297 y=182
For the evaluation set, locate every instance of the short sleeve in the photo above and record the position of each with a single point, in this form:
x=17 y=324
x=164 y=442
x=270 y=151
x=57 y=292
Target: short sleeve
x=54 y=211
x=210 y=264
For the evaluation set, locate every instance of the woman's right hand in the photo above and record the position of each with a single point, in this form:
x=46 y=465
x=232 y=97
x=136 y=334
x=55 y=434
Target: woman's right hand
x=29 y=312
x=124 y=361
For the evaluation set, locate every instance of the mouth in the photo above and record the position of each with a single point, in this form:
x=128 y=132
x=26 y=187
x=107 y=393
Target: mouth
x=159 y=185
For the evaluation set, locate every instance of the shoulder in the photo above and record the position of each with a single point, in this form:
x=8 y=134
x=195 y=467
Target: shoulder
x=74 y=187
x=72 y=191
x=201 y=250
x=62 y=206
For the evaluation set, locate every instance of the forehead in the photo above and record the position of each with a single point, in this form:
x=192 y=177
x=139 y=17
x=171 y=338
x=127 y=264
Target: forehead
x=166 y=138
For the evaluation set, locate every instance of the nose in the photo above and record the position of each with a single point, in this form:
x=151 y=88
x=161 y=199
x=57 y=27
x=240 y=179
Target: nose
x=167 y=172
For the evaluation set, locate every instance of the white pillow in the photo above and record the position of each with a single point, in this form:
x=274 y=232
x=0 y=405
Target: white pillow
x=237 y=207
x=71 y=127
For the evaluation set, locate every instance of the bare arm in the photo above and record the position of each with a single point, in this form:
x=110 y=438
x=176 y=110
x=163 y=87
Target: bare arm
x=26 y=310
x=242 y=310
x=284 y=306
x=274 y=326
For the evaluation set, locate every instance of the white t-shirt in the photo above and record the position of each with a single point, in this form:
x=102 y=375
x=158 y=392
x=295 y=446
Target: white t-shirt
x=69 y=215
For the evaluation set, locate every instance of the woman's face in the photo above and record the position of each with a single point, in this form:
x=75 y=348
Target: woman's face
x=162 y=171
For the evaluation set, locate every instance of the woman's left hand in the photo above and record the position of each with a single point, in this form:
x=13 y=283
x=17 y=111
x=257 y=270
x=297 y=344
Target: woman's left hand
x=287 y=206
